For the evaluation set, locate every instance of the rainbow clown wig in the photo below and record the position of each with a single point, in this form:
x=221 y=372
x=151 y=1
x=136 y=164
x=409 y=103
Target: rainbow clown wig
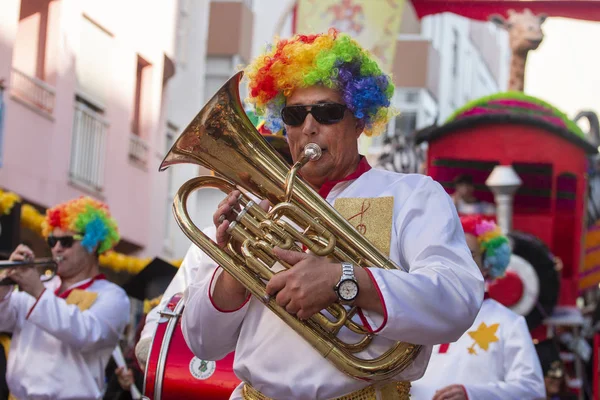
x=330 y=59
x=88 y=217
x=494 y=246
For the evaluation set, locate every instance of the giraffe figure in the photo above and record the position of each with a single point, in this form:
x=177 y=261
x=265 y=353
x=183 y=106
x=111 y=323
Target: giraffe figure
x=525 y=34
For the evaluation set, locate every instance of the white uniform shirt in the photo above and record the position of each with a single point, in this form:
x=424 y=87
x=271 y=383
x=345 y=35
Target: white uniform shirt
x=58 y=351
x=509 y=369
x=434 y=303
x=185 y=275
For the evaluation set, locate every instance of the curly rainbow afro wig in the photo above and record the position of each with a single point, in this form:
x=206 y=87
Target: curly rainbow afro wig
x=330 y=59
x=494 y=246
x=88 y=217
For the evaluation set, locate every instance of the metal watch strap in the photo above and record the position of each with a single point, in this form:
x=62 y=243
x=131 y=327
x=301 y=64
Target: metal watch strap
x=347 y=271
x=347 y=275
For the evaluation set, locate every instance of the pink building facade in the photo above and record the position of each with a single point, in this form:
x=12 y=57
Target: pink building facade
x=84 y=107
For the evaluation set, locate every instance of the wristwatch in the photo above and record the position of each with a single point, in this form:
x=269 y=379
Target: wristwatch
x=347 y=287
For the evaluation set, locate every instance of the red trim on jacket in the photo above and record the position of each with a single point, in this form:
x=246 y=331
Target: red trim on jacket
x=444 y=348
x=212 y=301
x=465 y=390
x=34 y=304
x=385 y=313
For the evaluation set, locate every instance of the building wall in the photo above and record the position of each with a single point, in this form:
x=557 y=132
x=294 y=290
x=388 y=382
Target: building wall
x=271 y=17
x=187 y=96
x=38 y=156
x=452 y=60
x=9 y=23
x=468 y=69
x=217 y=43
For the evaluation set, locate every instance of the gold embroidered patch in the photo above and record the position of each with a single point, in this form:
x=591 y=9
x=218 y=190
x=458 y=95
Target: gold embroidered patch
x=372 y=217
x=483 y=336
x=82 y=298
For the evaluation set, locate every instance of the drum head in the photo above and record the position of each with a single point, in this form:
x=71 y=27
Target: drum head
x=531 y=286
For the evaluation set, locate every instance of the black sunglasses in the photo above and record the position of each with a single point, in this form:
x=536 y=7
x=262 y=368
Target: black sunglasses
x=65 y=241
x=323 y=113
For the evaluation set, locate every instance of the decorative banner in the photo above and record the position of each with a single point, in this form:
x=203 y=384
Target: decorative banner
x=589 y=277
x=374 y=24
x=481 y=10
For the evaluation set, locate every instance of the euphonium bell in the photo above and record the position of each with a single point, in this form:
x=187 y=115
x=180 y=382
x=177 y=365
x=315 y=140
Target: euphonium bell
x=223 y=139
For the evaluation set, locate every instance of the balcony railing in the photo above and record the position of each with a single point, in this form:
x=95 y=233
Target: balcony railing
x=88 y=148
x=138 y=149
x=33 y=91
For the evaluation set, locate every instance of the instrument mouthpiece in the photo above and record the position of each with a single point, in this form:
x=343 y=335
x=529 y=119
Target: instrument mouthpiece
x=313 y=151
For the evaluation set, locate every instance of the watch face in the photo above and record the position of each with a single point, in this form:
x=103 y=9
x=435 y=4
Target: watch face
x=348 y=290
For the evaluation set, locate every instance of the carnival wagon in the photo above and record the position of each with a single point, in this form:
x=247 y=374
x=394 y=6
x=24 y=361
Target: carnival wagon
x=546 y=218
x=549 y=153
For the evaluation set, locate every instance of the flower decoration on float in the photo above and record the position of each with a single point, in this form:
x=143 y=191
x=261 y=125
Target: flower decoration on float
x=517 y=103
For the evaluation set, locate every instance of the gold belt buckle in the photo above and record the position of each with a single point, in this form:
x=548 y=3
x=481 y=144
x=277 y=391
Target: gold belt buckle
x=388 y=391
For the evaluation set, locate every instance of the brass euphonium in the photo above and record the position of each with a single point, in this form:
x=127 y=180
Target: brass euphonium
x=223 y=139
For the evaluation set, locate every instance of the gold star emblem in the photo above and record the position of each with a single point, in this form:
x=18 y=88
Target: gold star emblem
x=483 y=336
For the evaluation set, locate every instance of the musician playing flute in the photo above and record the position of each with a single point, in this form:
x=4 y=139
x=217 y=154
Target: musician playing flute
x=495 y=359
x=64 y=330
x=325 y=89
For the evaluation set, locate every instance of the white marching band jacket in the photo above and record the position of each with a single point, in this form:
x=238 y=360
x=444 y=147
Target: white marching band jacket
x=434 y=303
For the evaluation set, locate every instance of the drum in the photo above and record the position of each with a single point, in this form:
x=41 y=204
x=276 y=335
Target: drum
x=532 y=284
x=172 y=370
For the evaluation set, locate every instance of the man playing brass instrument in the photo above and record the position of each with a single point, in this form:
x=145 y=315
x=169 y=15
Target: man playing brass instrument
x=325 y=89
x=64 y=331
